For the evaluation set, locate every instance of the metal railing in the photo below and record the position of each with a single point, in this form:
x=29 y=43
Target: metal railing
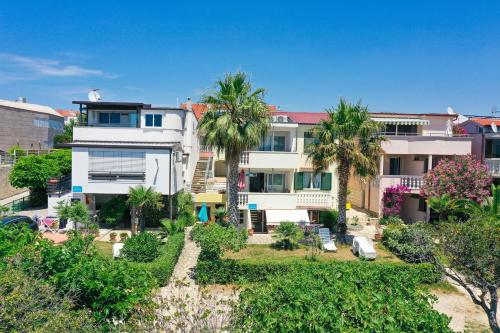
x=18 y=204
x=10 y=159
x=59 y=185
x=493 y=165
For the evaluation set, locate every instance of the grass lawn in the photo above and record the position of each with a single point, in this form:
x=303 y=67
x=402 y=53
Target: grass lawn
x=104 y=248
x=266 y=253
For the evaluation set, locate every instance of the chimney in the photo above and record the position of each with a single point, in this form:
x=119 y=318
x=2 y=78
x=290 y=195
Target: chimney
x=21 y=100
x=189 y=104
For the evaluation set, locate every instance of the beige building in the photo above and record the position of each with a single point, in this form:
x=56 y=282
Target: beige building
x=30 y=126
x=415 y=143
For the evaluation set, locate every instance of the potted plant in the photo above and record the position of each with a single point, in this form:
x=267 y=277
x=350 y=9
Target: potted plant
x=123 y=236
x=112 y=236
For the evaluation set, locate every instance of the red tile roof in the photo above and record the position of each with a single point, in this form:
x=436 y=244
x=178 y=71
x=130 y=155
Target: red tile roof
x=310 y=118
x=486 y=121
x=68 y=113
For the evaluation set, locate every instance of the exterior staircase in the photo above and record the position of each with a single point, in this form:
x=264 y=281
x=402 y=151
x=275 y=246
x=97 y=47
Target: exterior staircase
x=199 y=179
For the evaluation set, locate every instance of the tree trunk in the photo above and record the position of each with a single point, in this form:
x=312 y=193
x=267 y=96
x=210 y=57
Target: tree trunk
x=232 y=191
x=343 y=174
x=142 y=221
x=492 y=313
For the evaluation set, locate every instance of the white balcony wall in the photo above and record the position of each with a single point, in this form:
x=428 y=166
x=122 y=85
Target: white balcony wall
x=269 y=160
x=268 y=200
x=412 y=182
x=427 y=145
x=127 y=134
x=156 y=174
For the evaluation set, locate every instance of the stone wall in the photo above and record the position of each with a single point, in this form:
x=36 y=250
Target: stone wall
x=5 y=189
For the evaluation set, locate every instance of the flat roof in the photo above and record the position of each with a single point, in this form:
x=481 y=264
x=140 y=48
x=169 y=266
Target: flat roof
x=121 y=144
x=129 y=104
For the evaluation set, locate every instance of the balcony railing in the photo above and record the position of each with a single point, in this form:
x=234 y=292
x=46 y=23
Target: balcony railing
x=493 y=165
x=320 y=200
x=412 y=182
x=59 y=185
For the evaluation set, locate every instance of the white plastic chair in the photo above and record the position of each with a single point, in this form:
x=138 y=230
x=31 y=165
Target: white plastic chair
x=326 y=240
x=363 y=247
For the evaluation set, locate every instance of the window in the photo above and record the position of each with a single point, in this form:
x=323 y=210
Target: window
x=492 y=149
x=309 y=141
x=276 y=183
x=311 y=180
x=241 y=218
x=153 y=120
x=109 y=118
x=114 y=165
x=394 y=166
x=279 y=143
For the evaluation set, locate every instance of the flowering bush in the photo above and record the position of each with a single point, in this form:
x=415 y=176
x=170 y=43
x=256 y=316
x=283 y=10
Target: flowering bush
x=393 y=199
x=459 y=130
x=461 y=178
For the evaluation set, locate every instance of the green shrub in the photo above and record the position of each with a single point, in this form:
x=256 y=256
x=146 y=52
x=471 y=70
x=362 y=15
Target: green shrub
x=114 y=210
x=214 y=239
x=142 y=247
x=111 y=289
x=31 y=305
x=13 y=239
x=228 y=271
x=329 y=219
x=169 y=227
x=390 y=220
x=412 y=243
x=348 y=297
x=162 y=267
x=16 y=150
x=288 y=234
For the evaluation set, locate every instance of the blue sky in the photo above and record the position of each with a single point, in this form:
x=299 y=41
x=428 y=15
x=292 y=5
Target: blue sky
x=397 y=56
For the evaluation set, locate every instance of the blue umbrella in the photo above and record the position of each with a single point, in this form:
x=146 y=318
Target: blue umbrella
x=202 y=215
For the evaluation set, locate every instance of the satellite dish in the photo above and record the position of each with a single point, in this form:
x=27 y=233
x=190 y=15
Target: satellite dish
x=494 y=127
x=450 y=110
x=94 y=95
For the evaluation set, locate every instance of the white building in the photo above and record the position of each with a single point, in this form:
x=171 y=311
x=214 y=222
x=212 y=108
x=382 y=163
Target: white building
x=121 y=145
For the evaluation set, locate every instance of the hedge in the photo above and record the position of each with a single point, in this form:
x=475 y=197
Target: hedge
x=229 y=271
x=162 y=267
x=341 y=297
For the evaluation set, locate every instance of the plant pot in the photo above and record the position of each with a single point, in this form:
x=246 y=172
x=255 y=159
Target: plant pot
x=112 y=238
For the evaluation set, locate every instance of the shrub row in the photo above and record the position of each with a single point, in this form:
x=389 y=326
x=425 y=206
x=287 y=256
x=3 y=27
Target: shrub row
x=228 y=271
x=162 y=267
x=412 y=243
x=341 y=297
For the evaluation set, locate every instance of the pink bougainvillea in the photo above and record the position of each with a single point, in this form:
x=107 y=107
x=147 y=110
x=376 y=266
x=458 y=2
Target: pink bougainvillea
x=393 y=200
x=462 y=177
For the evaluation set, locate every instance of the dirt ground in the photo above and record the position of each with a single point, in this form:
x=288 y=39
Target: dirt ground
x=464 y=313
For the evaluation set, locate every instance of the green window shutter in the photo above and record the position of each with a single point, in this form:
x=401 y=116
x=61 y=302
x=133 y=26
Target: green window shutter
x=298 y=183
x=326 y=181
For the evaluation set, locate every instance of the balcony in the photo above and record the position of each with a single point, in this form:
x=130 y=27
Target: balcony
x=120 y=134
x=315 y=200
x=427 y=145
x=494 y=166
x=414 y=183
x=260 y=201
x=269 y=159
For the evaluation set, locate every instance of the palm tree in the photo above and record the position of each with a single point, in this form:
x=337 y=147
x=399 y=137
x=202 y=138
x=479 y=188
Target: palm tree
x=142 y=198
x=349 y=138
x=237 y=120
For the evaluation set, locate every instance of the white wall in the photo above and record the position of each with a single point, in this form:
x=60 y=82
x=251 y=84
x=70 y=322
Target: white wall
x=157 y=173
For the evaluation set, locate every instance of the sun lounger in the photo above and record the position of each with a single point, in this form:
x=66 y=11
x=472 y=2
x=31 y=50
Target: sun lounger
x=326 y=240
x=363 y=247
x=117 y=248
x=48 y=224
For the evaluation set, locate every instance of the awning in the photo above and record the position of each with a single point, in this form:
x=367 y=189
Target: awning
x=402 y=121
x=276 y=216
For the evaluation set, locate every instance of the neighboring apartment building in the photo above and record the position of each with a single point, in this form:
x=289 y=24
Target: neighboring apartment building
x=30 y=126
x=121 y=145
x=415 y=144
x=486 y=142
x=279 y=182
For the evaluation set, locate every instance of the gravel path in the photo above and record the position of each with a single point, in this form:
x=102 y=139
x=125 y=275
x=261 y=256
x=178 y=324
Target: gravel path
x=184 y=305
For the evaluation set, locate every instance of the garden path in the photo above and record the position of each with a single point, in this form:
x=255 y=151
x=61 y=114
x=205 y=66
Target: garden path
x=184 y=304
